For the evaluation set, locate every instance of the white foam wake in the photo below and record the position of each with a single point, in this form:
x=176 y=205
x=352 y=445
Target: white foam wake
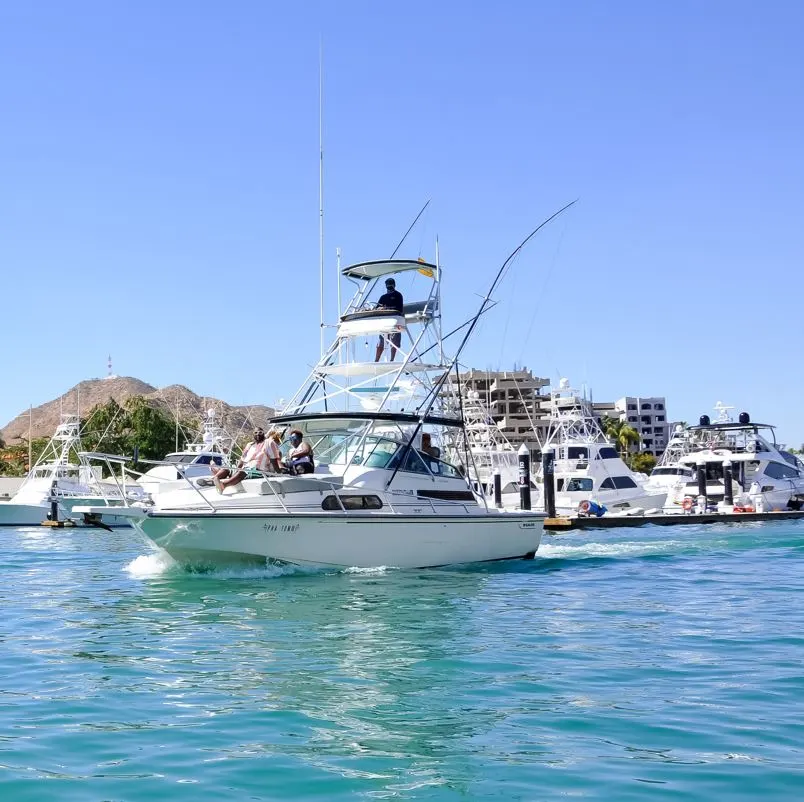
x=149 y=565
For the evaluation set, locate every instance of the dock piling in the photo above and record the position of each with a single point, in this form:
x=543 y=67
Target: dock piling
x=549 y=482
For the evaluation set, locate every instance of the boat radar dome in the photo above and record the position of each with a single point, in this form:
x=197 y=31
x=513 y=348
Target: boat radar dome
x=563 y=384
x=744 y=418
x=705 y=420
x=679 y=428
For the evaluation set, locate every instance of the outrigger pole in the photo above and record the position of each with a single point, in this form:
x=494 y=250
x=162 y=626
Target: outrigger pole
x=434 y=393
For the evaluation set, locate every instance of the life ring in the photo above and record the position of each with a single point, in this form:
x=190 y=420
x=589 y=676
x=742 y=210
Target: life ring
x=686 y=505
x=584 y=507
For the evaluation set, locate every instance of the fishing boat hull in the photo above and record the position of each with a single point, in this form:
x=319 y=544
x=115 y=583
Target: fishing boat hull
x=13 y=514
x=343 y=541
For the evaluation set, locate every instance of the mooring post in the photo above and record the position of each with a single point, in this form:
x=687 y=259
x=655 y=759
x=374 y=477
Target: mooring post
x=524 y=477
x=549 y=482
x=728 y=492
x=497 y=487
x=53 y=515
x=701 y=487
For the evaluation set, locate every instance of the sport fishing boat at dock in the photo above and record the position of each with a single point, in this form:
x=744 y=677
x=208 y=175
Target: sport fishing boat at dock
x=57 y=484
x=590 y=474
x=380 y=493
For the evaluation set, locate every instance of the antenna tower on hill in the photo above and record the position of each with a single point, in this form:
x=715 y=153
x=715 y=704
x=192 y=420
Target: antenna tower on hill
x=110 y=375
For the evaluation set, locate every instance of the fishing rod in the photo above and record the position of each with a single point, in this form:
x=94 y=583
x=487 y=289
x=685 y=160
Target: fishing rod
x=434 y=393
x=416 y=220
x=487 y=299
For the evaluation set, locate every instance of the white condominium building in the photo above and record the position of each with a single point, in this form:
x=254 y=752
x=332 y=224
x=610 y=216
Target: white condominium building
x=649 y=417
x=514 y=400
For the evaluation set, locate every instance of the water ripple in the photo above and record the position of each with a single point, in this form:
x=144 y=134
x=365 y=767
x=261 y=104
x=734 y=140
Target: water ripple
x=614 y=666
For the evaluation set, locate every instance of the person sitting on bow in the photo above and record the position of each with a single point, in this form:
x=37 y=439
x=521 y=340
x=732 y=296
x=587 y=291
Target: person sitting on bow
x=256 y=460
x=300 y=457
x=391 y=299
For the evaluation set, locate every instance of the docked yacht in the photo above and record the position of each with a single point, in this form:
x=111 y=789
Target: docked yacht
x=764 y=476
x=213 y=449
x=589 y=472
x=56 y=481
x=380 y=494
x=669 y=473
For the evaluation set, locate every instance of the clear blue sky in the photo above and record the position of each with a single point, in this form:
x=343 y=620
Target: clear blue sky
x=159 y=189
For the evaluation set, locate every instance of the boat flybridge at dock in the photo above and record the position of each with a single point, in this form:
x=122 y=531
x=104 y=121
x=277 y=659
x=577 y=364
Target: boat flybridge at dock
x=381 y=493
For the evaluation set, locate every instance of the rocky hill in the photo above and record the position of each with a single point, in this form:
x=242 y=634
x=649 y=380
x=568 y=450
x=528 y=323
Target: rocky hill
x=175 y=399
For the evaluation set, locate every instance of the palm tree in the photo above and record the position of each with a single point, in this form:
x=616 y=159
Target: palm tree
x=621 y=434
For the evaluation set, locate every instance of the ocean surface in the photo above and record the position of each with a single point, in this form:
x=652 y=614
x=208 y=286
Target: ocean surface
x=637 y=664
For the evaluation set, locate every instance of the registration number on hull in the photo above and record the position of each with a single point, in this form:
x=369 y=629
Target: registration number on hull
x=288 y=528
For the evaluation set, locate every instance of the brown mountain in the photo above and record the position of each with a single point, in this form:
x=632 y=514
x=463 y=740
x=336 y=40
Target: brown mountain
x=175 y=399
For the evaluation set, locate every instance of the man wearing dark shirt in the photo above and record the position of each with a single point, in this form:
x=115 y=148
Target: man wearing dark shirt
x=391 y=299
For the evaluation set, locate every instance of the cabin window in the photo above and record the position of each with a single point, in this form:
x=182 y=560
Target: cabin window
x=575 y=452
x=671 y=472
x=618 y=483
x=578 y=485
x=333 y=503
x=778 y=471
x=608 y=453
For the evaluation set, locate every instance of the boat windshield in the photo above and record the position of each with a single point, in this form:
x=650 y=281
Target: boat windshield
x=671 y=471
x=55 y=472
x=195 y=458
x=733 y=438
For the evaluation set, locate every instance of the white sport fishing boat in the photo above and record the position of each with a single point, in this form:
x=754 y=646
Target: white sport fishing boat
x=765 y=477
x=56 y=480
x=380 y=494
x=589 y=472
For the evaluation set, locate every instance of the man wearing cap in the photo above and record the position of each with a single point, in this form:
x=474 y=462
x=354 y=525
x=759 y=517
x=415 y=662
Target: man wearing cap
x=391 y=299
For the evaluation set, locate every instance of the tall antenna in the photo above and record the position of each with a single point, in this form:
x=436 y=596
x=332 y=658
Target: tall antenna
x=109 y=375
x=321 y=184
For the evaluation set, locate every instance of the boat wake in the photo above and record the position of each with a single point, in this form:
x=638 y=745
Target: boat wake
x=619 y=550
x=150 y=565
x=159 y=563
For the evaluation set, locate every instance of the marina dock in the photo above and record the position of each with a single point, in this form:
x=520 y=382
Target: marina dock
x=561 y=524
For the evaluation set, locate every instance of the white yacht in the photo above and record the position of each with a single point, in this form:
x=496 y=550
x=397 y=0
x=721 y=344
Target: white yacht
x=588 y=469
x=56 y=480
x=379 y=495
x=669 y=473
x=765 y=477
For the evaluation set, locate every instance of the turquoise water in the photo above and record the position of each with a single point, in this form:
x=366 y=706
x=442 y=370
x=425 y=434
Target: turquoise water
x=640 y=664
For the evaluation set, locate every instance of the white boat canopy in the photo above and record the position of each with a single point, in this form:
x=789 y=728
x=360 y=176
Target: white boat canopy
x=385 y=267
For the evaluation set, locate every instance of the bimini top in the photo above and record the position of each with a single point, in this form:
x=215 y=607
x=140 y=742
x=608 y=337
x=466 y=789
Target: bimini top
x=391 y=417
x=384 y=267
x=730 y=427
